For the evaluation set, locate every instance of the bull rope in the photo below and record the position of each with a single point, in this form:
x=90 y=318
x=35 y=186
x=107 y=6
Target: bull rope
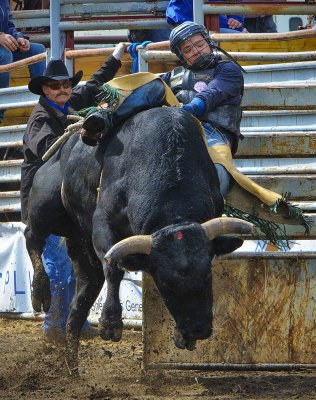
x=70 y=130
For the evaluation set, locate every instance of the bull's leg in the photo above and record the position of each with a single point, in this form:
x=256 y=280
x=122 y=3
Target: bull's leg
x=110 y=323
x=41 y=295
x=89 y=281
x=46 y=215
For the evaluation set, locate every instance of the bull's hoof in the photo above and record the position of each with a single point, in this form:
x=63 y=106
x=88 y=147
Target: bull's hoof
x=36 y=304
x=73 y=371
x=72 y=348
x=112 y=333
x=54 y=336
x=89 y=333
x=41 y=295
x=183 y=343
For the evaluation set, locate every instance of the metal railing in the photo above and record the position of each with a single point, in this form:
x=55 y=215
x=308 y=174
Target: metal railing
x=66 y=17
x=202 y=8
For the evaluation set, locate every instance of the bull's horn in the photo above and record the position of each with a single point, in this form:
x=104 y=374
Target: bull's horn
x=132 y=245
x=226 y=225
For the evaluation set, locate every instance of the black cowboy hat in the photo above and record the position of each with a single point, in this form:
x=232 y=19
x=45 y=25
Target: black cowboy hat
x=56 y=70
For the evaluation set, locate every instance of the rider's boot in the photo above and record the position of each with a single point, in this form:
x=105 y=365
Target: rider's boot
x=93 y=126
x=148 y=96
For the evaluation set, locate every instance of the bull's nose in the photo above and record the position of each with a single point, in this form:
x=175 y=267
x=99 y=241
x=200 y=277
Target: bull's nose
x=198 y=331
x=187 y=339
x=201 y=334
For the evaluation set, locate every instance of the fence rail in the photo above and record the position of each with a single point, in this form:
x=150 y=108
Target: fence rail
x=202 y=8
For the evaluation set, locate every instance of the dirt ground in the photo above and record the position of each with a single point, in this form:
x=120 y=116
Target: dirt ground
x=31 y=369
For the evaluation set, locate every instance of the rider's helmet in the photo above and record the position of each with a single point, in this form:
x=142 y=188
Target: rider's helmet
x=184 y=32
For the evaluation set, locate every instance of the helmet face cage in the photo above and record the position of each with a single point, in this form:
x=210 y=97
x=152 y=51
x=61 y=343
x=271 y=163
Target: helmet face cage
x=182 y=33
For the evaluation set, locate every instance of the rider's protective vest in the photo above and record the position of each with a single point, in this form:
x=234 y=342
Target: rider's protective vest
x=186 y=83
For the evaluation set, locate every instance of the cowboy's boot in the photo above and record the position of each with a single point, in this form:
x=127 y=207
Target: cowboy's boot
x=148 y=96
x=93 y=126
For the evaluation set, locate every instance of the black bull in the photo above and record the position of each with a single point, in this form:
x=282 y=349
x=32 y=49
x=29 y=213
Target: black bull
x=153 y=183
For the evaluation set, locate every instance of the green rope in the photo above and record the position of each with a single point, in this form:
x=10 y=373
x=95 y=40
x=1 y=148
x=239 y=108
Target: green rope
x=294 y=212
x=268 y=230
x=108 y=95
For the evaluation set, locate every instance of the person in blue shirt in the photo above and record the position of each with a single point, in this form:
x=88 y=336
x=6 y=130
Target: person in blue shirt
x=208 y=88
x=179 y=11
x=15 y=46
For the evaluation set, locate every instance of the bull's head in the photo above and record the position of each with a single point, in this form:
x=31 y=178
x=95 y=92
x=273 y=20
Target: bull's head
x=179 y=260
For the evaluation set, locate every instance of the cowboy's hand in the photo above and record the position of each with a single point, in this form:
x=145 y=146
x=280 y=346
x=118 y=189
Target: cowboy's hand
x=8 y=42
x=120 y=50
x=196 y=107
x=24 y=45
x=233 y=23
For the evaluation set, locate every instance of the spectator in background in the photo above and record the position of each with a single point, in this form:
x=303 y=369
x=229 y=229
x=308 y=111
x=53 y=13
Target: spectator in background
x=31 y=4
x=260 y=23
x=179 y=11
x=15 y=46
x=152 y=35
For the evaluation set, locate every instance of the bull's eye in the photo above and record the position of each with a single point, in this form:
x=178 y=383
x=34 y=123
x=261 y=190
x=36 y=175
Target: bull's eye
x=178 y=235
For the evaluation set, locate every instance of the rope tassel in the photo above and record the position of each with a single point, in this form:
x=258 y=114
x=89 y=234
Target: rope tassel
x=109 y=97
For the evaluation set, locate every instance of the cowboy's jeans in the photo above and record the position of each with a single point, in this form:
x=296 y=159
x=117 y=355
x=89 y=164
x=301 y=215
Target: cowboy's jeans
x=263 y=24
x=216 y=138
x=7 y=57
x=59 y=269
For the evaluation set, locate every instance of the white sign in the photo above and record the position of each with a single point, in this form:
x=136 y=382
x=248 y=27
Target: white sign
x=16 y=275
x=16 y=272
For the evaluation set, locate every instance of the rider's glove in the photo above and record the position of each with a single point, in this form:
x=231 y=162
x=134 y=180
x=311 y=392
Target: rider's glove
x=120 y=49
x=196 y=107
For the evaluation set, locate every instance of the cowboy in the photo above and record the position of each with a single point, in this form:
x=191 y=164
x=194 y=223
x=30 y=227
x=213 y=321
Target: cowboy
x=47 y=123
x=209 y=88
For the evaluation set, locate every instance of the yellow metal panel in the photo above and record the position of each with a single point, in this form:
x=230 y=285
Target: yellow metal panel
x=308 y=44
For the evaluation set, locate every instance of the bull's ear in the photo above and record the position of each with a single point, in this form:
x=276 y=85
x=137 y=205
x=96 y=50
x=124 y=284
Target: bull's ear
x=226 y=244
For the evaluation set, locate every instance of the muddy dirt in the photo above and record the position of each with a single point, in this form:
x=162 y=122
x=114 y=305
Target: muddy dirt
x=31 y=369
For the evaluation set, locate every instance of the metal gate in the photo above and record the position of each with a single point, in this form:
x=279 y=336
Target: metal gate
x=264 y=302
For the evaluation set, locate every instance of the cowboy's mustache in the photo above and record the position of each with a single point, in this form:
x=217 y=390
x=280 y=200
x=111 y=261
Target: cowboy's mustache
x=62 y=94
